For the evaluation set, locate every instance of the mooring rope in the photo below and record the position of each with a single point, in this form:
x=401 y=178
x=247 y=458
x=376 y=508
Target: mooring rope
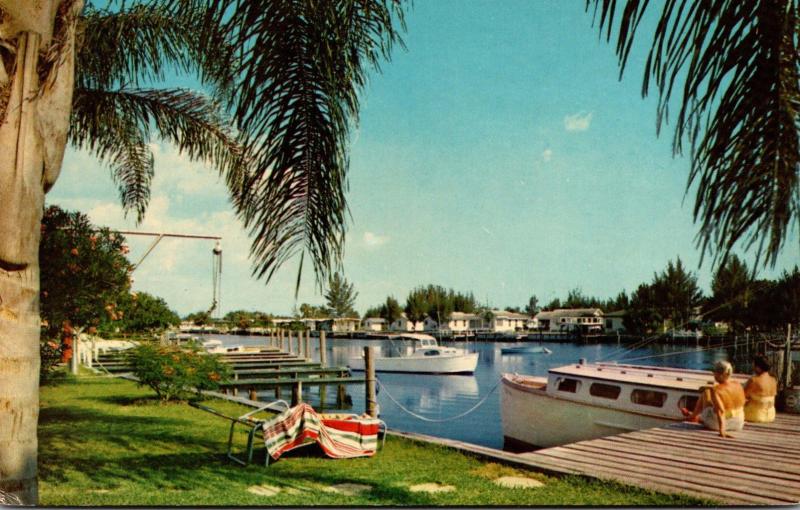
x=441 y=420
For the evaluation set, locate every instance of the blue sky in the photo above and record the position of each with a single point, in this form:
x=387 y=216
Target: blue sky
x=499 y=154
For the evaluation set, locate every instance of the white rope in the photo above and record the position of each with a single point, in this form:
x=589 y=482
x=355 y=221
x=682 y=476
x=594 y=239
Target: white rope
x=691 y=351
x=442 y=420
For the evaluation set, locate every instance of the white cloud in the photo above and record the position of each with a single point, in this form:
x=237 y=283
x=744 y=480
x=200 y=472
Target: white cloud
x=578 y=122
x=371 y=239
x=547 y=155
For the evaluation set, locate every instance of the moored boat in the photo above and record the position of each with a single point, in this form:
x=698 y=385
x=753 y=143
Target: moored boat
x=525 y=349
x=586 y=401
x=426 y=357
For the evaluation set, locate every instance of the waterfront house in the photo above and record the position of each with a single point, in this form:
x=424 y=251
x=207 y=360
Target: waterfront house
x=458 y=322
x=375 y=324
x=587 y=320
x=507 y=321
x=615 y=321
x=405 y=325
x=340 y=324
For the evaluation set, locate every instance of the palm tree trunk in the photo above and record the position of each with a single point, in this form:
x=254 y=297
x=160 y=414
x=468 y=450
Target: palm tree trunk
x=36 y=81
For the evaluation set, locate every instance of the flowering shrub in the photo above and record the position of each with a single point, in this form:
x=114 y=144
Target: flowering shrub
x=174 y=371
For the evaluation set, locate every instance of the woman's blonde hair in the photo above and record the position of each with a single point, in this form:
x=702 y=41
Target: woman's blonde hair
x=722 y=367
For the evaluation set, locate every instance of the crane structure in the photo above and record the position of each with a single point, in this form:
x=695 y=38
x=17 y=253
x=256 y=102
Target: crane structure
x=216 y=260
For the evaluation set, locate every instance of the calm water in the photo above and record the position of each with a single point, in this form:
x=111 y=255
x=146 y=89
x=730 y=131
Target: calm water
x=440 y=397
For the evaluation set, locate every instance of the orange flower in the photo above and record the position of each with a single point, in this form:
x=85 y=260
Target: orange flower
x=214 y=376
x=74 y=251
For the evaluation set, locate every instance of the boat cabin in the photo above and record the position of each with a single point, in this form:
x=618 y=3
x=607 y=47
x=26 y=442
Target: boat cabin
x=639 y=389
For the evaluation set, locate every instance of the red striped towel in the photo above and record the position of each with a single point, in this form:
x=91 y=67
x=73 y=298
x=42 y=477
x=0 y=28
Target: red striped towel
x=340 y=438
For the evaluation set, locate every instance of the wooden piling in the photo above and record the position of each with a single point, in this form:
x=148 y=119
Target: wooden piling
x=289 y=341
x=323 y=351
x=341 y=395
x=369 y=367
x=253 y=394
x=307 y=345
x=297 y=393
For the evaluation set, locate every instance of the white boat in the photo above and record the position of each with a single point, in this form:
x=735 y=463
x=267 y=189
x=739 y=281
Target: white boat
x=425 y=356
x=586 y=401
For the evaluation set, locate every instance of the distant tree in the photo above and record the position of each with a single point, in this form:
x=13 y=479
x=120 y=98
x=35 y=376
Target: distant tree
x=676 y=293
x=532 y=308
x=554 y=304
x=732 y=289
x=644 y=316
x=391 y=310
x=84 y=274
x=786 y=297
x=308 y=311
x=145 y=312
x=341 y=296
x=200 y=318
x=465 y=303
x=621 y=302
x=416 y=307
x=373 y=312
x=513 y=309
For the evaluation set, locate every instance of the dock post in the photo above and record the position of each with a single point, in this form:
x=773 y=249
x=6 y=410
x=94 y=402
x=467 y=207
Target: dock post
x=253 y=394
x=235 y=391
x=369 y=367
x=323 y=393
x=299 y=343
x=307 y=345
x=289 y=341
x=277 y=392
x=323 y=352
x=341 y=396
x=297 y=393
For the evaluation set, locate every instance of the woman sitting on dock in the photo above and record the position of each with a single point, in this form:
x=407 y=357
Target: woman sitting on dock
x=721 y=406
x=760 y=391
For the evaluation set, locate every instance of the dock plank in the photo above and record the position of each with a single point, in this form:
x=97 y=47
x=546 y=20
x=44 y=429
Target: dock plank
x=759 y=465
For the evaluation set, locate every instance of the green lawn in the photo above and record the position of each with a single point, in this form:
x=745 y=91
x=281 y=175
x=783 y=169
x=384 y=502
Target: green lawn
x=106 y=442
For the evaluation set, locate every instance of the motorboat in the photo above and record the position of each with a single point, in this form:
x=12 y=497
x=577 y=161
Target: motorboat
x=425 y=356
x=590 y=400
x=525 y=349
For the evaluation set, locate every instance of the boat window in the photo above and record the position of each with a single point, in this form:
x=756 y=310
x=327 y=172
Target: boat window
x=604 y=390
x=688 y=401
x=648 y=398
x=431 y=353
x=568 y=385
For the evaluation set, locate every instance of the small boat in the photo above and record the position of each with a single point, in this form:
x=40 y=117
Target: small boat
x=426 y=357
x=590 y=400
x=525 y=349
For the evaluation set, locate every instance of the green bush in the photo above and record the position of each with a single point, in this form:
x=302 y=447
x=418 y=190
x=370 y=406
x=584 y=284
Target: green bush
x=173 y=372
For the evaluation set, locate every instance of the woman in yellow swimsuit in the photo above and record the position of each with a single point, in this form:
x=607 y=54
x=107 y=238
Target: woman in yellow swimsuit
x=760 y=391
x=721 y=406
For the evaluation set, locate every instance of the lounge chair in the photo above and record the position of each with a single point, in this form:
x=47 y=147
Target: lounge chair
x=339 y=435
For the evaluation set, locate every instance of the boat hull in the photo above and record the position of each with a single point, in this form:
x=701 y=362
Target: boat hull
x=533 y=419
x=458 y=364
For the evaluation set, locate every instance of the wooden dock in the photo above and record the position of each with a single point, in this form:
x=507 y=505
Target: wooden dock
x=758 y=466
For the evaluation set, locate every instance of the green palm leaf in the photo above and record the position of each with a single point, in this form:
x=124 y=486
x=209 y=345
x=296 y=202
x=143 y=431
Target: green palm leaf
x=288 y=72
x=117 y=125
x=735 y=64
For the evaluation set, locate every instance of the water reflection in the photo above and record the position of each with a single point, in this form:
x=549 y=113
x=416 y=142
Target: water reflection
x=440 y=397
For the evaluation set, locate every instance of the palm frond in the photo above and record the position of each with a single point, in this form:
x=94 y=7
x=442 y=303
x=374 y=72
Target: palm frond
x=135 y=45
x=735 y=65
x=117 y=125
x=299 y=68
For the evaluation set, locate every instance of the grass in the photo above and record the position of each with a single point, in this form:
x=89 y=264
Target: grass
x=105 y=442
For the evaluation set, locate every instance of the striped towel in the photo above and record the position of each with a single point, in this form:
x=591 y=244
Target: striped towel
x=340 y=437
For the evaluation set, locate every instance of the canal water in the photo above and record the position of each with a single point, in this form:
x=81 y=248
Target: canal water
x=428 y=403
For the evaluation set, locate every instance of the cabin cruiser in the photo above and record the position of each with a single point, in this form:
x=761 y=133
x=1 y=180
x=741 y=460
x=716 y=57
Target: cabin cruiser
x=590 y=400
x=425 y=356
